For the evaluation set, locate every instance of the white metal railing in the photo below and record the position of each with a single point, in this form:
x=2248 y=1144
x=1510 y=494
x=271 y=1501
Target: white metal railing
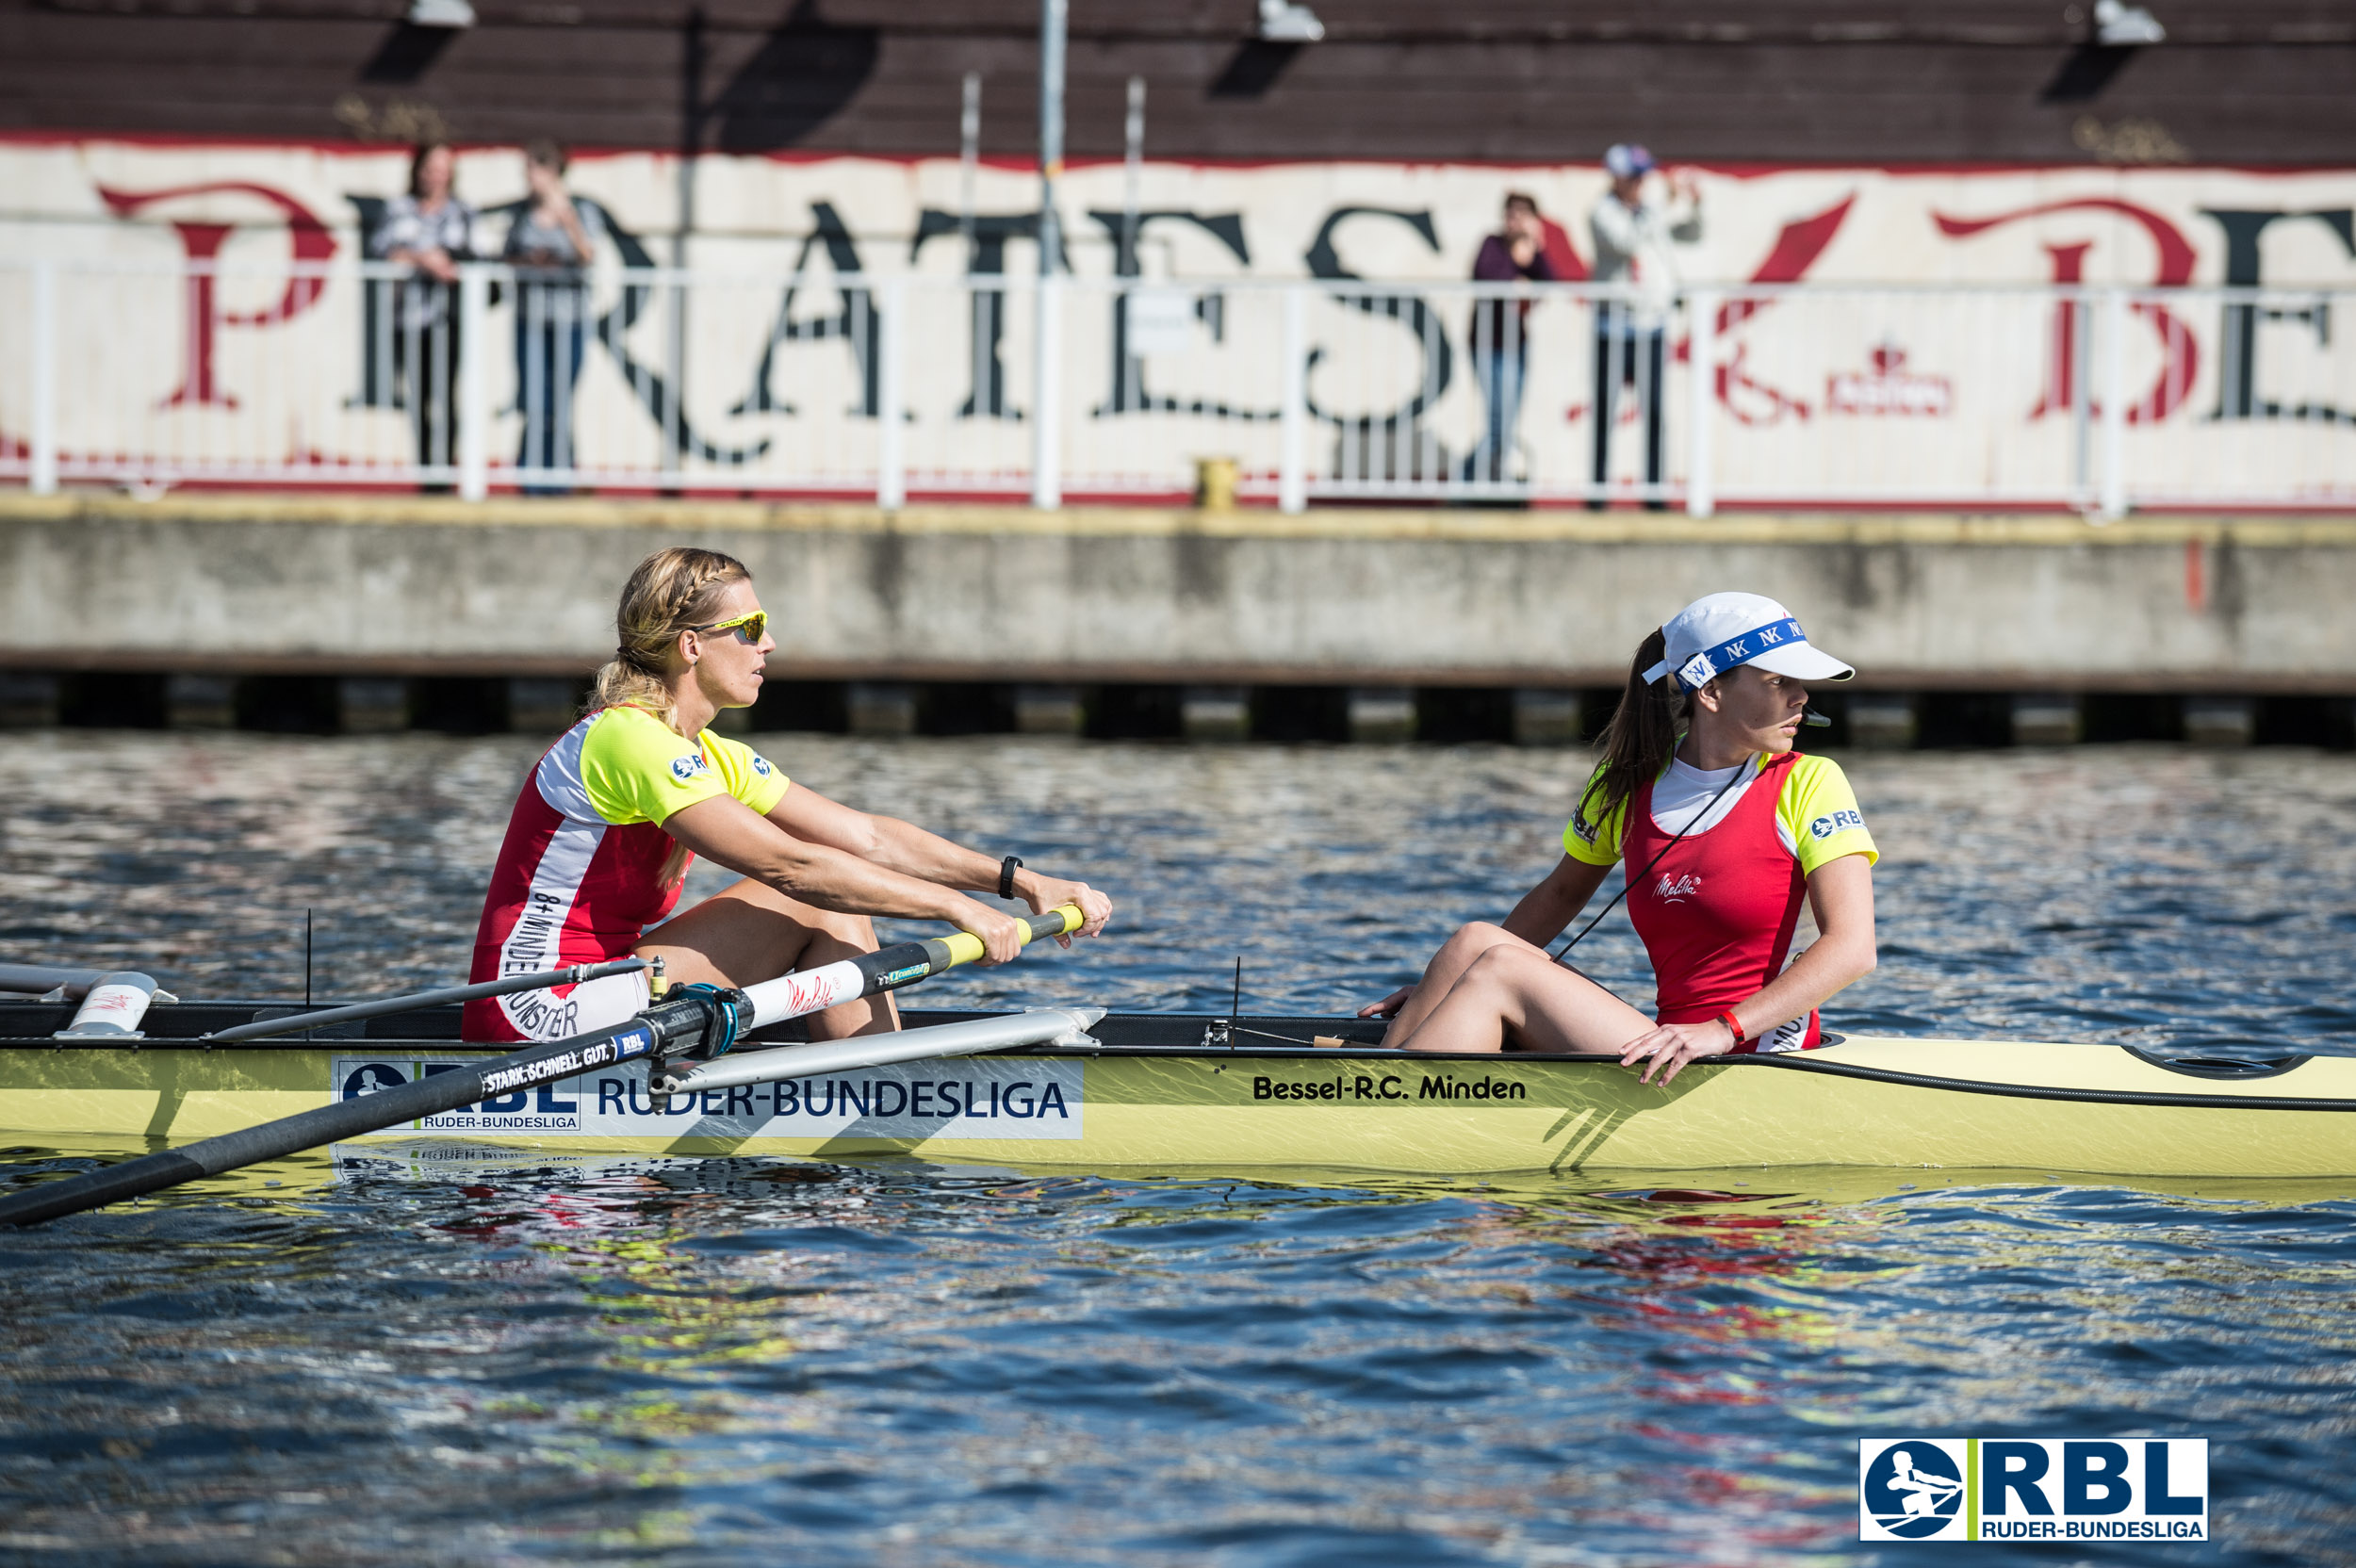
x=354 y=373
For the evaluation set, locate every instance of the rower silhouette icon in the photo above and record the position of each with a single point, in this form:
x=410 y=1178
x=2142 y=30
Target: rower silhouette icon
x=1913 y=1490
x=371 y=1078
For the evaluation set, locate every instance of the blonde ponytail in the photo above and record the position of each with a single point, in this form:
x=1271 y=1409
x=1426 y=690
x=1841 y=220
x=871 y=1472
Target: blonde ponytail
x=671 y=592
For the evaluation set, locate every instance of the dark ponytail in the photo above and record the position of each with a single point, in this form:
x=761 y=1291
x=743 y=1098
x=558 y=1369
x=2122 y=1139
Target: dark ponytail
x=1637 y=742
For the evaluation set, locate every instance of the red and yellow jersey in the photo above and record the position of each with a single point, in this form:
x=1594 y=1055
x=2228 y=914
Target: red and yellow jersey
x=1816 y=816
x=1718 y=867
x=580 y=875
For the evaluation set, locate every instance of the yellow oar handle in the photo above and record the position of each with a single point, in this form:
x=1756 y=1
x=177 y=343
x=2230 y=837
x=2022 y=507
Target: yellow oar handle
x=964 y=947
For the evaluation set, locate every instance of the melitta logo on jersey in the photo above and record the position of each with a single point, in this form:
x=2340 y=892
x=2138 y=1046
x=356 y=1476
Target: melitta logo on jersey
x=2061 y=1488
x=1678 y=889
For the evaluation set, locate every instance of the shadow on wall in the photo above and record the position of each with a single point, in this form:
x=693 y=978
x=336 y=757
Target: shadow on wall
x=801 y=76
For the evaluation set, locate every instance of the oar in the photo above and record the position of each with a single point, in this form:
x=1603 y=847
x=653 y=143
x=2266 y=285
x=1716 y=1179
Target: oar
x=689 y=1020
x=507 y=985
x=1033 y=1026
x=33 y=979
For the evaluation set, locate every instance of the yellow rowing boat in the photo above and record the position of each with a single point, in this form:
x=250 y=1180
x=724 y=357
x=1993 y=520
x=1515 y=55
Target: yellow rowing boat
x=1170 y=1093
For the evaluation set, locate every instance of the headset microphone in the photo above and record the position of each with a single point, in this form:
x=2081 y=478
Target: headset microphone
x=1815 y=720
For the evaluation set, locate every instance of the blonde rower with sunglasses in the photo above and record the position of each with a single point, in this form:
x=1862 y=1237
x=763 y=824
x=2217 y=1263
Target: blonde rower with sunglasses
x=606 y=825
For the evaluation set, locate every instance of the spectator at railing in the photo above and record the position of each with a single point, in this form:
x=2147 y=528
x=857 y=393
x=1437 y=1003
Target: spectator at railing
x=1632 y=249
x=1500 y=331
x=551 y=245
x=432 y=231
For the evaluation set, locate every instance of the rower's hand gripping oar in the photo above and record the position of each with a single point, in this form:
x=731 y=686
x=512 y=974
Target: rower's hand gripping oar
x=799 y=995
x=691 y=1020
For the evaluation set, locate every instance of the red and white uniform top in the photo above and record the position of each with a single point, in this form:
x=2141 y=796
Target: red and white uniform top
x=583 y=872
x=1717 y=908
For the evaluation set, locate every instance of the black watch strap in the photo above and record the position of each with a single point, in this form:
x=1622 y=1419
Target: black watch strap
x=1006 y=875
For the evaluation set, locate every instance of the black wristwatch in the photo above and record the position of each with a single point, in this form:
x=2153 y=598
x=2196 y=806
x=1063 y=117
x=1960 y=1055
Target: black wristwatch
x=1006 y=875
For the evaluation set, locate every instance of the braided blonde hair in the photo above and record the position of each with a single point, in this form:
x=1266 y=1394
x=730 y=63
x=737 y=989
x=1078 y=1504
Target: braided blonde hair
x=671 y=592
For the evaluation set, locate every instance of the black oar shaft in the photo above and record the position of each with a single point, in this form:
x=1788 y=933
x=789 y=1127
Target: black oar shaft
x=433 y=1095
x=507 y=985
x=34 y=978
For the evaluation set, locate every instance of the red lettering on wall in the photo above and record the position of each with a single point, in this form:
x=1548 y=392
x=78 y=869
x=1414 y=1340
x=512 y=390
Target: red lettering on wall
x=1796 y=247
x=1795 y=252
x=2061 y=359
x=2180 y=353
x=200 y=243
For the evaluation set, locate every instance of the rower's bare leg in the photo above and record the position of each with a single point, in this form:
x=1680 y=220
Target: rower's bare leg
x=751 y=932
x=1547 y=1007
x=1447 y=967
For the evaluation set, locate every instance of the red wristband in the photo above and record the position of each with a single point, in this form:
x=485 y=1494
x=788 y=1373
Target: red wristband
x=1734 y=1025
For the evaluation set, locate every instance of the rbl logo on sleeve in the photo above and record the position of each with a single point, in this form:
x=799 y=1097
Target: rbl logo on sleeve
x=2033 y=1489
x=1835 y=822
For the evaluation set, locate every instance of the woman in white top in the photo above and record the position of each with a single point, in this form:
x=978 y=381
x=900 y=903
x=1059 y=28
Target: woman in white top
x=1631 y=241
x=432 y=231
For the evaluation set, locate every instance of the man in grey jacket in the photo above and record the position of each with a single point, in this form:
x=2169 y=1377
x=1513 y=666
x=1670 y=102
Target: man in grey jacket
x=1632 y=242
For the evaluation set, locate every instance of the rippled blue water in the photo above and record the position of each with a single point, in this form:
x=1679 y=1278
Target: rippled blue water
x=756 y=1361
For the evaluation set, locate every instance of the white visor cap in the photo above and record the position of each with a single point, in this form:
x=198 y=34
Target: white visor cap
x=1718 y=632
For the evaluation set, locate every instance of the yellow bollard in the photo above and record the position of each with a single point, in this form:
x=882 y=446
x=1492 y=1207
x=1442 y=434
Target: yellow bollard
x=1214 y=483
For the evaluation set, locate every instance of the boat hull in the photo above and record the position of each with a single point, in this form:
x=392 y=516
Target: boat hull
x=1865 y=1103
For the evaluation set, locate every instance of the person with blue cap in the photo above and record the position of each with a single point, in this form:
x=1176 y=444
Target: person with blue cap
x=1726 y=832
x=1631 y=240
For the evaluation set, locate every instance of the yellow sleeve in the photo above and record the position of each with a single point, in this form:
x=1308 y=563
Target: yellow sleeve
x=1820 y=812
x=749 y=775
x=636 y=768
x=1596 y=844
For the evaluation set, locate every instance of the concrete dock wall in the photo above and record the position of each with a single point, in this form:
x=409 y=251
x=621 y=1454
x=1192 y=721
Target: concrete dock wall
x=427 y=586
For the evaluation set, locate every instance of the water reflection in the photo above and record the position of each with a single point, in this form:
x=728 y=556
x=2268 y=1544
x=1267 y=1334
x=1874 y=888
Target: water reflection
x=714 y=1358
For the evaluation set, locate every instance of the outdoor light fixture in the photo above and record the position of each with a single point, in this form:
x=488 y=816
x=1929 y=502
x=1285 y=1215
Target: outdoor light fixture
x=441 y=13
x=2117 y=23
x=1284 y=21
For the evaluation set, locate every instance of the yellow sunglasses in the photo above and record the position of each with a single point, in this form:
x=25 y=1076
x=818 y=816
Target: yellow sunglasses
x=752 y=626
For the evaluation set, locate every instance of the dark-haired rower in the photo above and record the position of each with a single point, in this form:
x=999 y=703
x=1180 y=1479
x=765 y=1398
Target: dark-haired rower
x=1725 y=831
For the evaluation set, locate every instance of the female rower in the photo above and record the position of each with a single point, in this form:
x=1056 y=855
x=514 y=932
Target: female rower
x=606 y=825
x=1723 y=828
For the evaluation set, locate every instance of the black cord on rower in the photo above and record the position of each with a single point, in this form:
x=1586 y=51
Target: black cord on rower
x=1629 y=804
